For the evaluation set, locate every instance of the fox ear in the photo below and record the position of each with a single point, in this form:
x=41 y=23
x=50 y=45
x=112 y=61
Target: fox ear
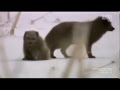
x=100 y=18
x=104 y=18
x=37 y=34
x=25 y=34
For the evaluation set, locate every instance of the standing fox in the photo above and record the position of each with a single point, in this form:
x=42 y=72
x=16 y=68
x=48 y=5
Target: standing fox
x=61 y=36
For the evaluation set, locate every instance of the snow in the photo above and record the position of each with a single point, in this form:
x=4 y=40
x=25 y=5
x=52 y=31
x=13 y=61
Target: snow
x=106 y=49
x=54 y=69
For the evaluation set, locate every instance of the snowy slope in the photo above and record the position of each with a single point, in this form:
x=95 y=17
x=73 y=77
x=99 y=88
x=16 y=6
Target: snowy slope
x=54 y=69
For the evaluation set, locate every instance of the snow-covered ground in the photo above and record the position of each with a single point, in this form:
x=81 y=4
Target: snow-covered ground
x=106 y=49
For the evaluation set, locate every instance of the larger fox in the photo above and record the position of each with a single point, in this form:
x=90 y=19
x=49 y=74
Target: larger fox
x=61 y=36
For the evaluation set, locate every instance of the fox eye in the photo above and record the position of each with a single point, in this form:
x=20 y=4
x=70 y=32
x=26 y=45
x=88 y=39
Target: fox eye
x=33 y=38
x=27 y=38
